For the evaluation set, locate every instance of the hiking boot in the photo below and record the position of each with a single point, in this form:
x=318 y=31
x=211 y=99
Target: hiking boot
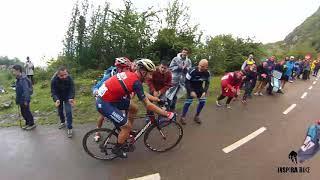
x=218 y=103
x=69 y=133
x=62 y=125
x=197 y=119
x=183 y=120
x=31 y=127
x=117 y=150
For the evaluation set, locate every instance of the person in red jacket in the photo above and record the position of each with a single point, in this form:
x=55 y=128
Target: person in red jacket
x=230 y=85
x=160 y=81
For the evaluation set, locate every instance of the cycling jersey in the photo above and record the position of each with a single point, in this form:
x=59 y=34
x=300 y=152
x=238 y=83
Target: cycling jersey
x=112 y=91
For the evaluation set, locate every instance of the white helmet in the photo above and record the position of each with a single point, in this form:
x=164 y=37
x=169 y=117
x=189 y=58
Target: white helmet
x=147 y=64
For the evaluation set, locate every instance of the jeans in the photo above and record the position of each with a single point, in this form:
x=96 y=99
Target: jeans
x=68 y=110
x=26 y=114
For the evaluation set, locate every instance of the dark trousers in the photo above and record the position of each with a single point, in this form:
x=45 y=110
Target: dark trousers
x=173 y=102
x=66 y=106
x=31 y=78
x=222 y=97
x=26 y=114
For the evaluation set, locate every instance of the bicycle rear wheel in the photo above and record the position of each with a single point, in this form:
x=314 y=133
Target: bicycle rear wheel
x=163 y=137
x=100 y=149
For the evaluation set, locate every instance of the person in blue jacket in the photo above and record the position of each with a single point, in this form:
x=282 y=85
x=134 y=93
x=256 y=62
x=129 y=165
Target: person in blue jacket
x=310 y=146
x=23 y=96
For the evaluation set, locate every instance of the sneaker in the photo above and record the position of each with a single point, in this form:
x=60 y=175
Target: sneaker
x=183 y=120
x=117 y=150
x=24 y=127
x=70 y=133
x=62 y=125
x=31 y=127
x=244 y=101
x=260 y=94
x=256 y=94
x=97 y=137
x=290 y=81
x=197 y=119
x=218 y=103
x=228 y=106
x=279 y=91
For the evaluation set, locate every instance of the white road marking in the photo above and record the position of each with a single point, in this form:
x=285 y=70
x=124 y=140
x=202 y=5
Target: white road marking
x=243 y=140
x=149 y=177
x=310 y=87
x=304 y=95
x=289 y=109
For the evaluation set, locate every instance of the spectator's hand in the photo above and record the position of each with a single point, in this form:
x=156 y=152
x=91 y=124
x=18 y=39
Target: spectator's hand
x=72 y=102
x=264 y=75
x=233 y=90
x=203 y=95
x=156 y=94
x=25 y=104
x=57 y=103
x=193 y=94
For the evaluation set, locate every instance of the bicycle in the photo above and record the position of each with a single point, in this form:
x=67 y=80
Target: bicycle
x=109 y=138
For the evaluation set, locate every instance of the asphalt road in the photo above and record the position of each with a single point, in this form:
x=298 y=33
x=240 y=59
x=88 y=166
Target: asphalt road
x=47 y=154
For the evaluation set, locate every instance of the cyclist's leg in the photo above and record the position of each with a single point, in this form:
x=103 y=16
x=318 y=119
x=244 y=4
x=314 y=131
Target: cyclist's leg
x=132 y=111
x=111 y=111
x=100 y=121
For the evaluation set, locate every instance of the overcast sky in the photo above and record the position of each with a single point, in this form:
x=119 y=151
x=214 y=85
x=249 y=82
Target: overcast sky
x=36 y=28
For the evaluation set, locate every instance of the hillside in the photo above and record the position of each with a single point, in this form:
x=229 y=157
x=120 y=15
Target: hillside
x=303 y=39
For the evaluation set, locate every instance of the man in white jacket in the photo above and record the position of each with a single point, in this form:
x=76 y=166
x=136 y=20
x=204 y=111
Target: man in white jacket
x=29 y=69
x=179 y=67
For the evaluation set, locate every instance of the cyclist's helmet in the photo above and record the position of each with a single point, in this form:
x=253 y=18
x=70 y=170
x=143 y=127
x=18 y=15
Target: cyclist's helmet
x=122 y=62
x=145 y=64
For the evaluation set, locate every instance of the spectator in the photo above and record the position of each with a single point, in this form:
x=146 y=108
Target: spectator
x=179 y=67
x=230 y=86
x=29 y=69
x=63 y=93
x=23 y=96
x=197 y=84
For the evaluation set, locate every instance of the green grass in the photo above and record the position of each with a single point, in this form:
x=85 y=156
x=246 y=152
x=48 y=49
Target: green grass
x=43 y=107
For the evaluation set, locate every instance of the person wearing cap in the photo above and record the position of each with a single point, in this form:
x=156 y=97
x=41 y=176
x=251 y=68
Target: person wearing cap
x=230 y=87
x=197 y=84
x=249 y=61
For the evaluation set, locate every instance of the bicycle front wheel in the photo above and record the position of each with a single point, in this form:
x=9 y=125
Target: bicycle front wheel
x=98 y=143
x=163 y=137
